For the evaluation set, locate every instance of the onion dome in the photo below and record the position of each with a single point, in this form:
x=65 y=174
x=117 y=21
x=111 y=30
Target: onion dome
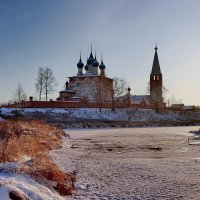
x=95 y=62
x=102 y=66
x=86 y=67
x=90 y=59
x=80 y=63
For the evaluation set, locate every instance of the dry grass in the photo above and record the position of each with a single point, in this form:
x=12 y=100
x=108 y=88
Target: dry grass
x=46 y=172
x=30 y=138
x=34 y=139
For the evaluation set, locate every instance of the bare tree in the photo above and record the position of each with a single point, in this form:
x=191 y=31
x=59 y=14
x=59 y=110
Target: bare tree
x=148 y=88
x=120 y=87
x=164 y=90
x=19 y=94
x=49 y=82
x=39 y=85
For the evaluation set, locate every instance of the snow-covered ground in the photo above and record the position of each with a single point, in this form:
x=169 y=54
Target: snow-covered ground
x=108 y=114
x=24 y=185
x=133 y=163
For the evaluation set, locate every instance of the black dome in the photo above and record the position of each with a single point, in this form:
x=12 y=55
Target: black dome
x=80 y=64
x=102 y=66
x=90 y=59
x=86 y=67
x=95 y=63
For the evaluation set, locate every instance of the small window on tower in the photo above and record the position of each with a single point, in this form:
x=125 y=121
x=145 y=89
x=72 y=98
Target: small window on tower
x=154 y=78
x=157 y=78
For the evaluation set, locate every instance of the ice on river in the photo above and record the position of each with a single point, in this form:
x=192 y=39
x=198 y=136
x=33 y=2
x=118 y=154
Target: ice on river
x=132 y=163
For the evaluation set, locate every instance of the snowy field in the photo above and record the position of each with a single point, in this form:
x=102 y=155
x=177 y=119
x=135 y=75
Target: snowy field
x=133 y=163
x=106 y=114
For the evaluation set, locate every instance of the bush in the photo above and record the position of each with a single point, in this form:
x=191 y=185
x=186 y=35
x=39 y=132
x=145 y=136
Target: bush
x=30 y=138
x=34 y=139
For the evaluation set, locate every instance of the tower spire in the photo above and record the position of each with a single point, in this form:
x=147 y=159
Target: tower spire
x=91 y=55
x=91 y=47
x=156 y=81
x=156 y=65
x=80 y=55
x=102 y=67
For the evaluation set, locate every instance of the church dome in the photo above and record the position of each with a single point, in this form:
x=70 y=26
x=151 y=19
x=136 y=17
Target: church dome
x=80 y=64
x=90 y=59
x=95 y=63
x=86 y=67
x=102 y=66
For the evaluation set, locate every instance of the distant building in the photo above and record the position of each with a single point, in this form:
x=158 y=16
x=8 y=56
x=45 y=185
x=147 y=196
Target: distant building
x=92 y=86
x=155 y=99
x=156 y=84
x=182 y=107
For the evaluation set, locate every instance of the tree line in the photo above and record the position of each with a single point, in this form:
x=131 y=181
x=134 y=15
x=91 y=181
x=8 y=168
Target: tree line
x=45 y=85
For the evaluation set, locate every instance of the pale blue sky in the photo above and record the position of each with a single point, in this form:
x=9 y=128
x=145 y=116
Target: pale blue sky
x=50 y=33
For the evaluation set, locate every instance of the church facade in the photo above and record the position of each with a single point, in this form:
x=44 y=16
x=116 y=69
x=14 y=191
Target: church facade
x=91 y=85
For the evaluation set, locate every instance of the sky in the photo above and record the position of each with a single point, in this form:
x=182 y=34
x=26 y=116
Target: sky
x=51 y=33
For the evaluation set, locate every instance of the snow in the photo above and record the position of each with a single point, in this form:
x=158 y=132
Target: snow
x=123 y=163
x=8 y=167
x=10 y=180
x=25 y=158
x=4 y=192
x=118 y=163
x=108 y=114
x=1 y=119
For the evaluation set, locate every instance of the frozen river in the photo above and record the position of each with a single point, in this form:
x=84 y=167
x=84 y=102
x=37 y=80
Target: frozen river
x=133 y=163
x=78 y=133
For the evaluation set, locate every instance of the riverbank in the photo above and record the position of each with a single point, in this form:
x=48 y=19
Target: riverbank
x=132 y=163
x=26 y=169
x=93 y=118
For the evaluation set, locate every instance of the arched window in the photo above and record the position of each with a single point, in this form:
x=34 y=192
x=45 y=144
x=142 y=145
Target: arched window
x=157 y=78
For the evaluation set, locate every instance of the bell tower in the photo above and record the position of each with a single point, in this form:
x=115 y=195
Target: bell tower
x=156 y=80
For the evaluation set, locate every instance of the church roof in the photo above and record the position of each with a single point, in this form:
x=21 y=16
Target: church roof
x=91 y=58
x=95 y=63
x=156 y=65
x=67 y=91
x=137 y=99
x=80 y=63
x=88 y=76
x=102 y=66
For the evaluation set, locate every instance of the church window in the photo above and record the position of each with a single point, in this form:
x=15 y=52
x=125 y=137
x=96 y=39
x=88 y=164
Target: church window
x=154 y=77
x=157 y=78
